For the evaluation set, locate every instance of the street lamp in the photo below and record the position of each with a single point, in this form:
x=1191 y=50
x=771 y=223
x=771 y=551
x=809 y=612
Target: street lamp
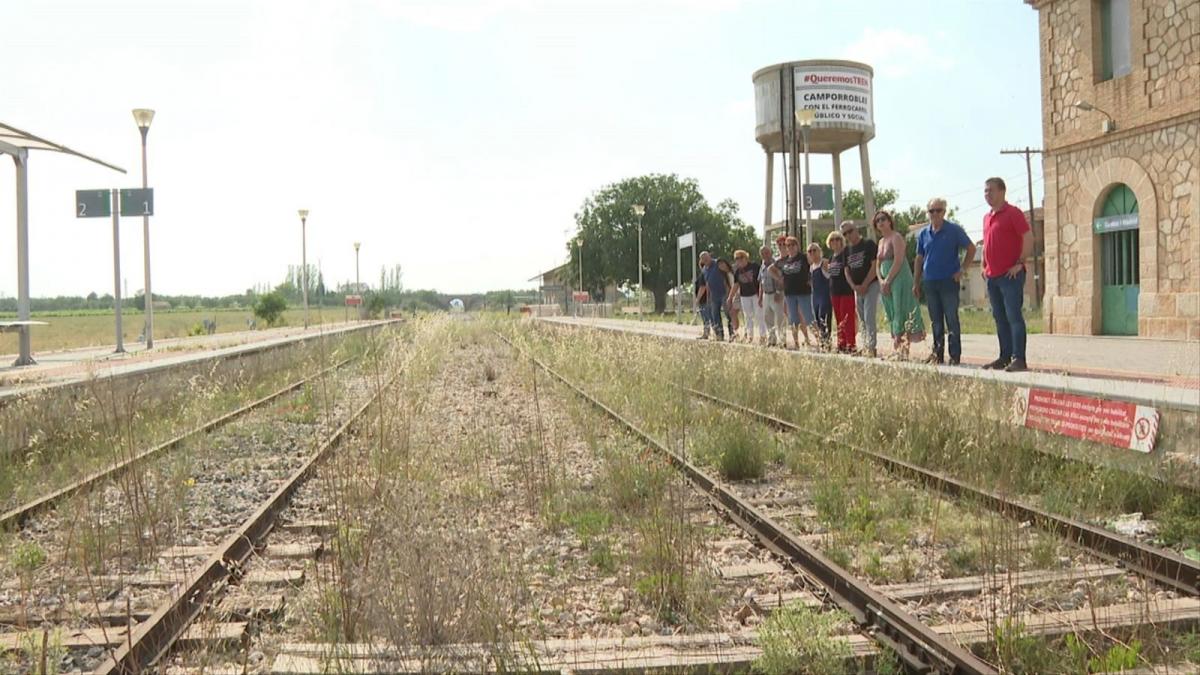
x=1108 y=126
x=639 y=210
x=805 y=118
x=143 y=117
x=304 y=260
x=357 y=284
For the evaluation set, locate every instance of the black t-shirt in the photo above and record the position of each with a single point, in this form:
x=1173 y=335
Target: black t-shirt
x=698 y=284
x=859 y=258
x=796 y=280
x=837 y=280
x=747 y=280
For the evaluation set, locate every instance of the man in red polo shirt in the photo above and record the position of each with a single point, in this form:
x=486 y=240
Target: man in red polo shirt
x=1007 y=242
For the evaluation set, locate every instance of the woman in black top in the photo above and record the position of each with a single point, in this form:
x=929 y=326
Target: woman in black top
x=746 y=275
x=792 y=272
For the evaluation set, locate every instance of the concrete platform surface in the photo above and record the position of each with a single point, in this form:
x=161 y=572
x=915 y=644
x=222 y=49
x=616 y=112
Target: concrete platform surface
x=1151 y=372
x=75 y=365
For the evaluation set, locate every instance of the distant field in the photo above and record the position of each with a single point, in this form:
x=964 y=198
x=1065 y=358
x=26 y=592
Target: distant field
x=89 y=329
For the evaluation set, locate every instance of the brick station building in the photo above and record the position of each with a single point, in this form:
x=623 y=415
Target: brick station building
x=1121 y=134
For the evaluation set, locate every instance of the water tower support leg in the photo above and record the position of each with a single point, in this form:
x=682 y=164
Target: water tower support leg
x=868 y=193
x=837 y=190
x=770 y=185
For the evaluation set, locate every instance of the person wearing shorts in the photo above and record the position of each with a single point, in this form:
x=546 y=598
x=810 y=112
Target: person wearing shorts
x=792 y=272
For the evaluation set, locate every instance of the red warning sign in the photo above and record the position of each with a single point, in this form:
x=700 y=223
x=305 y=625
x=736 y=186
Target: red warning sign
x=1119 y=423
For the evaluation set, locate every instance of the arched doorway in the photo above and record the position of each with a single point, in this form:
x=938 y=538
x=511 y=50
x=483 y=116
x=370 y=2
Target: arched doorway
x=1116 y=225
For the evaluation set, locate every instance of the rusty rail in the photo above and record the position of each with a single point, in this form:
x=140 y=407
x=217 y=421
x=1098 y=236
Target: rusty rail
x=1162 y=565
x=921 y=648
x=16 y=518
x=153 y=638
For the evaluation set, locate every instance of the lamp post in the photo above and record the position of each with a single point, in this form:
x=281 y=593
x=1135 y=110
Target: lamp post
x=143 y=117
x=1108 y=126
x=639 y=210
x=304 y=260
x=805 y=117
x=357 y=285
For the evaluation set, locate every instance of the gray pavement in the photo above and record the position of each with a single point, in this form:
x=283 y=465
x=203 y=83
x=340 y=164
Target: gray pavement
x=75 y=365
x=1152 y=372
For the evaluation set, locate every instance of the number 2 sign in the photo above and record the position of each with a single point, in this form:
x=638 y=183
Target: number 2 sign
x=93 y=203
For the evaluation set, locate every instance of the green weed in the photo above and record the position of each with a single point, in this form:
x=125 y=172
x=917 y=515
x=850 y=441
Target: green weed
x=799 y=639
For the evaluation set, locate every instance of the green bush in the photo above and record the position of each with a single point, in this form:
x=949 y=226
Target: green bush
x=799 y=639
x=738 y=451
x=270 y=307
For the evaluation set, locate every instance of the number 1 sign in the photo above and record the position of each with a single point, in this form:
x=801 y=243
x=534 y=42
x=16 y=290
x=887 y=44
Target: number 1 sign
x=137 y=202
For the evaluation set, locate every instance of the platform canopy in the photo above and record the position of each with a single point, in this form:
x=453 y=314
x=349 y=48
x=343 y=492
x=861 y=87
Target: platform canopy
x=12 y=139
x=18 y=143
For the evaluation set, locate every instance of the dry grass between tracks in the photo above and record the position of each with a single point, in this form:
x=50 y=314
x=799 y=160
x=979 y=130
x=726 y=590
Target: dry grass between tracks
x=487 y=506
x=93 y=550
x=53 y=438
x=950 y=426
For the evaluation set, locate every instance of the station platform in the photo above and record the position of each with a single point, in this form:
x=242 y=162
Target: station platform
x=1161 y=373
x=71 y=366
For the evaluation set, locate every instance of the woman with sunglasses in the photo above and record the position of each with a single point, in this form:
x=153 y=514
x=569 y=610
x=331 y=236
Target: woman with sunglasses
x=792 y=272
x=900 y=306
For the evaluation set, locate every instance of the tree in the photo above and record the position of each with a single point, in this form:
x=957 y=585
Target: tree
x=375 y=305
x=609 y=232
x=270 y=307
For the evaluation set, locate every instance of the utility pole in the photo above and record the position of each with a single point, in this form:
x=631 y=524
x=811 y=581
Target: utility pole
x=1029 y=152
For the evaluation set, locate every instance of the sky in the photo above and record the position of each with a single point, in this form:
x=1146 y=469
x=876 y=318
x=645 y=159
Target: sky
x=458 y=138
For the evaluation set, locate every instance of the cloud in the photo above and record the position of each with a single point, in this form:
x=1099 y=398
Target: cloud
x=895 y=53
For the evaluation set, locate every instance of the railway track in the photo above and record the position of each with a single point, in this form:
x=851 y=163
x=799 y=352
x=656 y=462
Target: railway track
x=132 y=637
x=919 y=646
x=15 y=518
x=1161 y=565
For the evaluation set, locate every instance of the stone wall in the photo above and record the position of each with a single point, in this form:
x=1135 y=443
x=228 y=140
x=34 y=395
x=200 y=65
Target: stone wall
x=1165 y=52
x=1155 y=149
x=1162 y=168
x=1172 y=34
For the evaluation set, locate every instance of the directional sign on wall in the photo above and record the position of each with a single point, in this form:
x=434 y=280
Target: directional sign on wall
x=93 y=203
x=137 y=202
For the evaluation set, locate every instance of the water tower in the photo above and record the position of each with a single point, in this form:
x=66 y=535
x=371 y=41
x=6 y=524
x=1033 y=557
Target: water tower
x=839 y=96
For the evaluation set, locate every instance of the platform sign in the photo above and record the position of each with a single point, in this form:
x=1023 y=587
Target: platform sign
x=137 y=202
x=581 y=296
x=93 y=203
x=1117 y=423
x=818 y=197
x=353 y=300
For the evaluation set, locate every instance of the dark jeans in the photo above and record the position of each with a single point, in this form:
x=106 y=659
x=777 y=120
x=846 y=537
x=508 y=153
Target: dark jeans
x=822 y=311
x=1007 y=296
x=716 y=306
x=705 y=316
x=941 y=297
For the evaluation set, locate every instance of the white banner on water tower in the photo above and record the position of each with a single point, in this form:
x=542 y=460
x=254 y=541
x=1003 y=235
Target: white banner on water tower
x=686 y=240
x=839 y=95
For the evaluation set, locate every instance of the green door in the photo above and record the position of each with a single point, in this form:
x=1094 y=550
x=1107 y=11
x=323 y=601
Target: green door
x=1117 y=228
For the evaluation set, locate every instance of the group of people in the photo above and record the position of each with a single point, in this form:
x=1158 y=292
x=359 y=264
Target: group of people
x=824 y=299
